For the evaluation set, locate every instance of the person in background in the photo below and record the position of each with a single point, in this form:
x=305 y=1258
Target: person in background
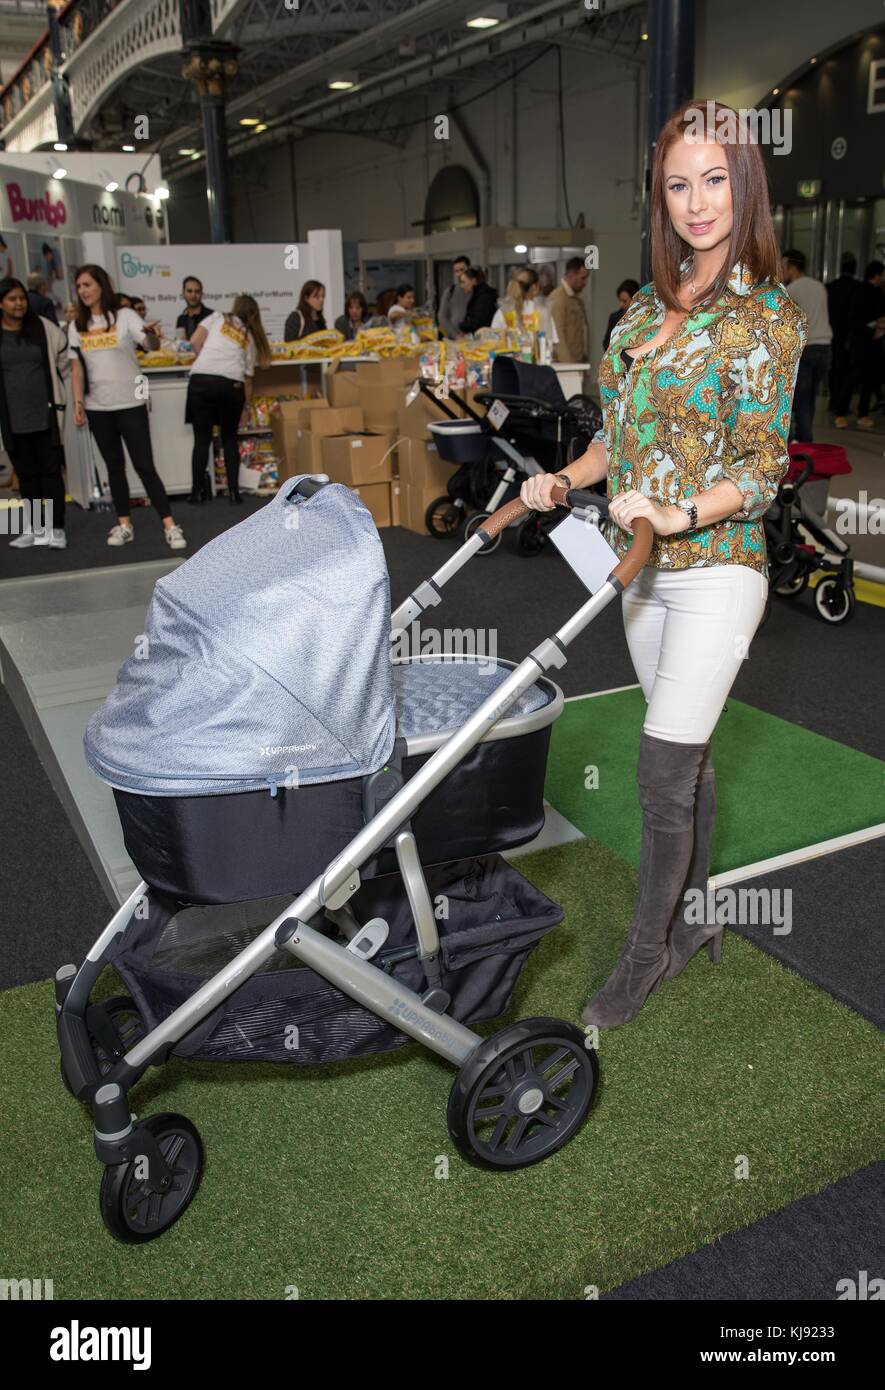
x=814 y=364
x=33 y=368
x=5 y=257
x=841 y=294
x=196 y=311
x=482 y=303
x=569 y=314
x=308 y=317
x=140 y=308
x=38 y=299
x=523 y=307
x=355 y=316
x=866 y=341
x=625 y=292
x=219 y=388
x=105 y=374
x=403 y=307
x=124 y=301
x=453 y=305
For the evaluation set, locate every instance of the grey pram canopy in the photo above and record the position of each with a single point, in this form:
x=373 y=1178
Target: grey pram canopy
x=264 y=660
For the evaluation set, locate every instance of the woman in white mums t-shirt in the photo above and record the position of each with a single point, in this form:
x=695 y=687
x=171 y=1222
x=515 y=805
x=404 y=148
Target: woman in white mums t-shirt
x=105 y=375
x=220 y=387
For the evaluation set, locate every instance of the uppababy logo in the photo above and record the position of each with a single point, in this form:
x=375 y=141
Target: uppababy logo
x=403 y=1011
x=76 y=1343
x=272 y=751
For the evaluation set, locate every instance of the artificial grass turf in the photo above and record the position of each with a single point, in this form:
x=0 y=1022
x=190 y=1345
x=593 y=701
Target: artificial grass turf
x=324 y=1178
x=779 y=787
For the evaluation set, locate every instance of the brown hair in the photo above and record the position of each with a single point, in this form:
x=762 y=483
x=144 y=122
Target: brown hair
x=752 y=240
x=246 y=310
x=108 y=304
x=307 y=289
x=357 y=297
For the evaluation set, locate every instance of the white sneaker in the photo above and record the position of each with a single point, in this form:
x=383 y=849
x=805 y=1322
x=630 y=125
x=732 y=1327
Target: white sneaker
x=58 y=540
x=120 y=534
x=22 y=542
x=175 y=537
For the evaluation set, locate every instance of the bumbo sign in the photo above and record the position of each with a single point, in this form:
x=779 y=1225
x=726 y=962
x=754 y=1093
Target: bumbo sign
x=24 y=209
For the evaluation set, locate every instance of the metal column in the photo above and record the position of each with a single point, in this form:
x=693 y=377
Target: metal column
x=211 y=63
x=671 y=44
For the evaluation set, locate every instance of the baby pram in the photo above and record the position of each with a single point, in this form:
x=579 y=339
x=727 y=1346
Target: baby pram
x=799 y=541
x=267 y=754
x=529 y=427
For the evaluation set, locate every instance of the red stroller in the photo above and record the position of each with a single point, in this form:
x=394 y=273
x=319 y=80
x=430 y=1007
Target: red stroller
x=801 y=544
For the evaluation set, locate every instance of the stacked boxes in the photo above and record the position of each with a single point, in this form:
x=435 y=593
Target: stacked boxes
x=365 y=463
x=423 y=477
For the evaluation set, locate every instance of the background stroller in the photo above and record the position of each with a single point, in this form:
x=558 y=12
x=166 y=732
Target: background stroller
x=410 y=763
x=528 y=428
x=793 y=518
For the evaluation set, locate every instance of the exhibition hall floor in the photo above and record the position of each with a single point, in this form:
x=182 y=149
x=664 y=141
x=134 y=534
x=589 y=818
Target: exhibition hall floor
x=775 y=1055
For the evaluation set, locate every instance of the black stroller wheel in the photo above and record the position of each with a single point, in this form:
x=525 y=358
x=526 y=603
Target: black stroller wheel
x=532 y=535
x=127 y=1021
x=522 y=1094
x=443 y=518
x=473 y=525
x=833 y=601
x=791 y=586
x=131 y=1211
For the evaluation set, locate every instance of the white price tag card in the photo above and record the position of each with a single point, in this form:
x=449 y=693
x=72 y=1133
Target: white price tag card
x=498 y=413
x=583 y=546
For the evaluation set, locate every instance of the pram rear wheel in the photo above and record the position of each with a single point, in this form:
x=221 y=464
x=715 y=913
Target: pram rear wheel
x=443 y=518
x=522 y=1094
x=131 y=1211
x=128 y=1023
x=792 y=586
x=473 y=526
x=833 y=601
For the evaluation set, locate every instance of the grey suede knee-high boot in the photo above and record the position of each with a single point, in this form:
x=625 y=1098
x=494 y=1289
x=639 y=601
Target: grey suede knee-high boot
x=688 y=937
x=667 y=774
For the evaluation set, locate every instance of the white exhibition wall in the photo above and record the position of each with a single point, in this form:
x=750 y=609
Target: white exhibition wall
x=272 y=272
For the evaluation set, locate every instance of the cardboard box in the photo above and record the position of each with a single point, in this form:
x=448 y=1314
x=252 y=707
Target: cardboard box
x=304 y=456
x=421 y=466
x=392 y=371
x=380 y=404
x=346 y=419
x=357 y=459
x=414 y=502
x=412 y=420
x=377 y=497
x=286 y=422
x=341 y=388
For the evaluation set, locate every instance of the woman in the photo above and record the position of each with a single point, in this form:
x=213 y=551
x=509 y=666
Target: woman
x=403 y=307
x=107 y=385
x=524 y=307
x=356 y=313
x=482 y=303
x=308 y=317
x=696 y=390
x=626 y=291
x=220 y=388
x=33 y=366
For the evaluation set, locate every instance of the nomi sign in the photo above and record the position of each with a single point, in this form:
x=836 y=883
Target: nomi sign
x=42 y=209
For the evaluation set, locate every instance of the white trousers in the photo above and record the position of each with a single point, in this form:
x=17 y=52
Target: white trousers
x=688 y=632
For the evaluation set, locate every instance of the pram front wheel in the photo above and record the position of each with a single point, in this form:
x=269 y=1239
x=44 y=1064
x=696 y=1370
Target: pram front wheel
x=443 y=517
x=522 y=1094
x=473 y=526
x=132 y=1212
x=833 y=601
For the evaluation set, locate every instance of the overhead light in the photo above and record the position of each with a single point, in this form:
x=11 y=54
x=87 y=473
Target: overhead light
x=59 y=146
x=488 y=17
x=343 y=81
x=520 y=249
x=775 y=91
x=161 y=192
x=644 y=37
x=186 y=152
x=59 y=173
x=249 y=120
x=195 y=154
x=128 y=149
x=111 y=187
x=259 y=128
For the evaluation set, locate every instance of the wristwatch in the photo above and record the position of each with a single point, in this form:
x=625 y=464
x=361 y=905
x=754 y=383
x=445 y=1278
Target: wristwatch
x=565 y=480
x=686 y=505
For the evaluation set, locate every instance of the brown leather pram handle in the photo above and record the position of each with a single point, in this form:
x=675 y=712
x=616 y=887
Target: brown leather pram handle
x=625 y=571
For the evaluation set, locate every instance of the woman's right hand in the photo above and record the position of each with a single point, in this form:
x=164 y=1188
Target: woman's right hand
x=536 y=492
x=79 y=413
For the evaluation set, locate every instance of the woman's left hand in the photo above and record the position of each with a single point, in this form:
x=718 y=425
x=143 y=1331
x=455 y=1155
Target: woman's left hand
x=626 y=506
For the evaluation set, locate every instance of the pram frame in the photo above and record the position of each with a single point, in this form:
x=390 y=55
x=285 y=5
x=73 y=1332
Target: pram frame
x=117 y=1137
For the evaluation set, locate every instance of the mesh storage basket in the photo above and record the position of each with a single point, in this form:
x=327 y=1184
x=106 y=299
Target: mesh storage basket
x=489 y=920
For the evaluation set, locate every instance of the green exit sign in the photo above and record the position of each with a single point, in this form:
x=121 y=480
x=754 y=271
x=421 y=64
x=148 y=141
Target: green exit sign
x=809 y=188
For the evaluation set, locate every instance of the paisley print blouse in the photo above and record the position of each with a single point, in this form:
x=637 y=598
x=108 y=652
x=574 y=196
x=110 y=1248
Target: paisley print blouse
x=712 y=402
